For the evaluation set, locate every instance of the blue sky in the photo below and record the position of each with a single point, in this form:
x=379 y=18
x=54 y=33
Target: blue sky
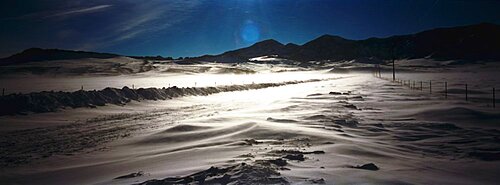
x=192 y=28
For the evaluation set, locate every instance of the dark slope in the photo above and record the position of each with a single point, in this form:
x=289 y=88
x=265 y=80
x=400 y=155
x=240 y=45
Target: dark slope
x=265 y=47
x=469 y=43
x=327 y=47
x=474 y=42
x=38 y=54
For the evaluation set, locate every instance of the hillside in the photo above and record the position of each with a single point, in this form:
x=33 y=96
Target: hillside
x=38 y=54
x=465 y=43
x=469 y=43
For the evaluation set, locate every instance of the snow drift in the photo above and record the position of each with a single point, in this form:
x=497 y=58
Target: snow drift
x=49 y=101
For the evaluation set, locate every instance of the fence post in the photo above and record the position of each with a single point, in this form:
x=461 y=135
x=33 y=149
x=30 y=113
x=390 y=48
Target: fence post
x=133 y=87
x=414 y=84
x=393 y=70
x=421 y=86
x=446 y=90
x=466 y=94
x=82 y=88
x=494 y=101
x=430 y=86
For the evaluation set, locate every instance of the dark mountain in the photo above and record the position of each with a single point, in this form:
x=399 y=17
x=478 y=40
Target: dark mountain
x=466 y=43
x=327 y=47
x=265 y=47
x=470 y=43
x=152 y=57
x=476 y=42
x=38 y=54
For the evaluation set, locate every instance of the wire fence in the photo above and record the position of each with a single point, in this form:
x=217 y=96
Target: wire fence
x=179 y=84
x=473 y=93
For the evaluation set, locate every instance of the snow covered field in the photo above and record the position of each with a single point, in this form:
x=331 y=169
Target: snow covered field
x=348 y=128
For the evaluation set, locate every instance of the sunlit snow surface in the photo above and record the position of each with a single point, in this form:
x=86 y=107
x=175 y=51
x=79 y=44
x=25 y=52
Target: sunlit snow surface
x=413 y=136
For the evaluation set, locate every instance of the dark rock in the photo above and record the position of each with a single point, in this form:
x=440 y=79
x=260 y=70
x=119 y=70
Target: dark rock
x=351 y=106
x=315 y=152
x=315 y=94
x=295 y=157
x=252 y=142
x=347 y=123
x=278 y=162
x=335 y=93
x=369 y=166
x=316 y=181
x=131 y=175
x=237 y=174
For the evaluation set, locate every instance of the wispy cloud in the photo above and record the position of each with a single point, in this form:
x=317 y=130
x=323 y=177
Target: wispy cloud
x=58 y=13
x=143 y=18
x=97 y=24
x=80 y=11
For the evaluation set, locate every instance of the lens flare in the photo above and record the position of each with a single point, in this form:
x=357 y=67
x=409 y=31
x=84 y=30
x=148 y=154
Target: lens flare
x=249 y=32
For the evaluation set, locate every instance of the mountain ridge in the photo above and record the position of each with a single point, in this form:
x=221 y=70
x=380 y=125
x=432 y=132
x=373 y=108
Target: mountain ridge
x=468 y=43
x=471 y=42
x=39 y=54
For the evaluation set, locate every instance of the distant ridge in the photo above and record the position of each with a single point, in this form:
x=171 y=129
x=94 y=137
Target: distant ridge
x=38 y=54
x=465 y=43
x=471 y=43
